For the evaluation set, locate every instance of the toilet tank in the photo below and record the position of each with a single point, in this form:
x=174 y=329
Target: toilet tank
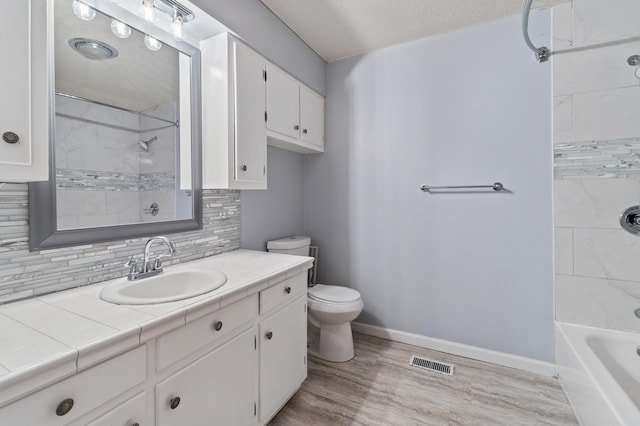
x=296 y=245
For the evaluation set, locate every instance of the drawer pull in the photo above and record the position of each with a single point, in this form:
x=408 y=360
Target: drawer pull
x=174 y=402
x=287 y=289
x=135 y=424
x=10 y=137
x=296 y=127
x=304 y=131
x=64 y=407
x=269 y=335
x=218 y=326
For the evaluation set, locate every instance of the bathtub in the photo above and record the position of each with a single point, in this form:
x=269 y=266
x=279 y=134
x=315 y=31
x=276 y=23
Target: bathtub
x=600 y=372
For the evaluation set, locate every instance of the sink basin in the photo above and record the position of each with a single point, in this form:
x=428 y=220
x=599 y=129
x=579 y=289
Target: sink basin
x=166 y=287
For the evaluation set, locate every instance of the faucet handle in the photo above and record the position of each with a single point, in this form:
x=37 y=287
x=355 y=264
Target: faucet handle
x=134 y=270
x=132 y=263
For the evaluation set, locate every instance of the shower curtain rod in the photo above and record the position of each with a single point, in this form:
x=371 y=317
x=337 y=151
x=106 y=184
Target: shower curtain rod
x=142 y=114
x=542 y=53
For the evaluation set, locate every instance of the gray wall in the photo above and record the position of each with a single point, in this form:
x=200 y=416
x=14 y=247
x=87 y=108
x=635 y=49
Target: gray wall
x=473 y=268
x=261 y=29
x=279 y=211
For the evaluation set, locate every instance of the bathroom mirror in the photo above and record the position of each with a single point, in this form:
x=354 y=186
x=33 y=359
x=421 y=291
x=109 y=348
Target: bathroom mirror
x=124 y=130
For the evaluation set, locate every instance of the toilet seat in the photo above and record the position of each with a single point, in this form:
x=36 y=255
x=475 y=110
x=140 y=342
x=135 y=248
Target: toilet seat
x=333 y=294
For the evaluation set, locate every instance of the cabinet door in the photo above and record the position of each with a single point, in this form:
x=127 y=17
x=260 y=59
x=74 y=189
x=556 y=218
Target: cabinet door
x=311 y=117
x=250 y=127
x=23 y=81
x=283 y=103
x=283 y=356
x=128 y=413
x=217 y=389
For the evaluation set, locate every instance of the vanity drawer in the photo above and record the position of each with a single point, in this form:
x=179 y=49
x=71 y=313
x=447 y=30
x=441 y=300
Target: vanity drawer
x=179 y=343
x=129 y=413
x=65 y=401
x=283 y=292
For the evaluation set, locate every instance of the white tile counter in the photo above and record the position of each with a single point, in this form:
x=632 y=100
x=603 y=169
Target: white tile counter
x=47 y=338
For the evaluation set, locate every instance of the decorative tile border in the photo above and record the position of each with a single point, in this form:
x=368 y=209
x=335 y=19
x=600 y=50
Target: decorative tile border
x=26 y=274
x=87 y=180
x=597 y=159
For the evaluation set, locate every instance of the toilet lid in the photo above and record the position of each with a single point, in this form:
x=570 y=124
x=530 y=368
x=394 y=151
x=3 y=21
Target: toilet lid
x=333 y=293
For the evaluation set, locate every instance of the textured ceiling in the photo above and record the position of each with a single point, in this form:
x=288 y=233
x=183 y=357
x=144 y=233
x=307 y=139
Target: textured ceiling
x=337 y=29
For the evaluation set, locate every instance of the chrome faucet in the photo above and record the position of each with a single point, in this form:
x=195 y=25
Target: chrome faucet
x=149 y=268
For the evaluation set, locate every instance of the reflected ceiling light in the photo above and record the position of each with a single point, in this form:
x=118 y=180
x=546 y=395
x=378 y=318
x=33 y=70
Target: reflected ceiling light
x=83 y=10
x=93 y=49
x=152 y=43
x=176 y=11
x=120 y=29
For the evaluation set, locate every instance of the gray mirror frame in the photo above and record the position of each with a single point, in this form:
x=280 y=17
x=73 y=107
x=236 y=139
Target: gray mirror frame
x=43 y=227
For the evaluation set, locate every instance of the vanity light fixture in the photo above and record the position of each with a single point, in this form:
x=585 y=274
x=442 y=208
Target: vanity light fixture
x=152 y=43
x=176 y=24
x=83 y=10
x=120 y=29
x=147 y=11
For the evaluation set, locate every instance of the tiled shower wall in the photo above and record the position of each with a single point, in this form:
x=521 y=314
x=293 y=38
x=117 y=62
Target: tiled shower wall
x=597 y=162
x=27 y=274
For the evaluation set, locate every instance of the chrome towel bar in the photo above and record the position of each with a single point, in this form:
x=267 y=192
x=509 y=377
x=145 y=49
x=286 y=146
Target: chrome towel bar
x=496 y=187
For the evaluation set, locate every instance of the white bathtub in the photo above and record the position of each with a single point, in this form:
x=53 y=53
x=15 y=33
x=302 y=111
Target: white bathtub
x=600 y=373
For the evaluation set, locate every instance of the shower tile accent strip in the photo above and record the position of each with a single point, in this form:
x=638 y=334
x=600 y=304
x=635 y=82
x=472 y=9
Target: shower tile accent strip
x=597 y=159
x=26 y=274
x=110 y=181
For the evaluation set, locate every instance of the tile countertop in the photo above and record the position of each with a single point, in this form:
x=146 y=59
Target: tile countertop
x=47 y=338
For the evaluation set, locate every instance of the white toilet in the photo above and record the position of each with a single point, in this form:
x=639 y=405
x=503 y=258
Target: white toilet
x=331 y=309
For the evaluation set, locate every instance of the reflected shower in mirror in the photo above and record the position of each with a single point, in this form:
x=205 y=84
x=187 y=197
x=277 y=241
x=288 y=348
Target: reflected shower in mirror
x=117 y=117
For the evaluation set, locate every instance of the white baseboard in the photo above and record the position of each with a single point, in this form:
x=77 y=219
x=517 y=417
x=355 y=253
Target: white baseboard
x=467 y=351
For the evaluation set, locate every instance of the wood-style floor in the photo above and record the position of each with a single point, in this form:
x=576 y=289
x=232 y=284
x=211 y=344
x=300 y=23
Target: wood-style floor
x=378 y=387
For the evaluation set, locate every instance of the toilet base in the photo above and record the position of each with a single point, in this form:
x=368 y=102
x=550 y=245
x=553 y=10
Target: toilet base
x=334 y=343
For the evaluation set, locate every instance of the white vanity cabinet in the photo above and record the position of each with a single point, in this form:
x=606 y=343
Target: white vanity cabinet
x=295 y=114
x=24 y=136
x=283 y=343
x=233 y=115
x=232 y=365
x=217 y=389
x=64 y=402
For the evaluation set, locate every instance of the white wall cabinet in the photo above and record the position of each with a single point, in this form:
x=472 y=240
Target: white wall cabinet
x=233 y=115
x=237 y=365
x=295 y=114
x=24 y=136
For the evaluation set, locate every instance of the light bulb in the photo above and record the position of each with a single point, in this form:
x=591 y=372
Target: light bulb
x=120 y=29
x=176 y=24
x=147 y=11
x=83 y=10
x=151 y=43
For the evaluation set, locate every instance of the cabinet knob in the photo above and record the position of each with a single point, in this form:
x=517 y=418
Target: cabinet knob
x=243 y=168
x=287 y=289
x=269 y=335
x=10 y=137
x=304 y=131
x=218 y=325
x=135 y=424
x=296 y=127
x=64 y=407
x=174 y=402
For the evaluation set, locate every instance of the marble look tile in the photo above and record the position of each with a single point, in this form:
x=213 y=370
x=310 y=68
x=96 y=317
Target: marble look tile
x=593 y=69
x=593 y=203
x=562 y=119
x=378 y=387
x=563 y=238
x=78 y=202
x=597 y=21
x=603 y=253
x=63 y=326
x=24 y=347
x=562 y=26
x=598 y=302
x=609 y=114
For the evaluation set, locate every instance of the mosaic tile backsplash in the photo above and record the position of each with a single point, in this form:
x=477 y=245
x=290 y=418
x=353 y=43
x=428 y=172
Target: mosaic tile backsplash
x=597 y=159
x=26 y=274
